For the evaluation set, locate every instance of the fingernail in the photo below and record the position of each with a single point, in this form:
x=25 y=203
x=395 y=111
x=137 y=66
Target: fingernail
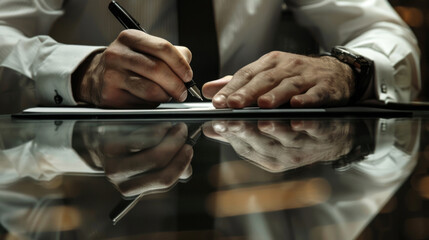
x=236 y=127
x=296 y=125
x=219 y=127
x=298 y=100
x=183 y=97
x=236 y=100
x=266 y=101
x=220 y=100
x=266 y=126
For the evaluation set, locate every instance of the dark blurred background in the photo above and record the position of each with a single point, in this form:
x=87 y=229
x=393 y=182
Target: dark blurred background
x=416 y=14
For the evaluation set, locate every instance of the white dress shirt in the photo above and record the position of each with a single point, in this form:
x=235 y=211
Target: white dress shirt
x=45 y=40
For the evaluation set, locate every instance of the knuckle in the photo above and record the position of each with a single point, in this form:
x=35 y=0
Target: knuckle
x=185 y=52
x=269 y=77
x=273 y=54
x=297 y=83
x=246 y=73
x=164 y=46
x=296 y=61
x=124 y=36
x=110 y=54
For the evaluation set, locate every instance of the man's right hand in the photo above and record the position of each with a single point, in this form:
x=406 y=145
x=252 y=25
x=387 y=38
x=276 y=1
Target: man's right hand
x=136 y=71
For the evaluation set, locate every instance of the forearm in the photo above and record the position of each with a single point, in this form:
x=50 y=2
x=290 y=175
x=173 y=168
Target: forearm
x=26 y=48
x=42 y=59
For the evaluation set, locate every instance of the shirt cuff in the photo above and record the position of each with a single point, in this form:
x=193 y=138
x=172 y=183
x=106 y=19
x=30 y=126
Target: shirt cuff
x=53 y=79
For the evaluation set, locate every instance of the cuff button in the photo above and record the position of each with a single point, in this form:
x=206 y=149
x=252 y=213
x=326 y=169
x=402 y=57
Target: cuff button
x=57 y=98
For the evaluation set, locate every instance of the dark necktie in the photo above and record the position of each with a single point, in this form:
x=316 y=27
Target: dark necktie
x=197 y=31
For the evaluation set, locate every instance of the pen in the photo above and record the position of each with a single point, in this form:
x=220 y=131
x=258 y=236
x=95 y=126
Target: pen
x=130 y=23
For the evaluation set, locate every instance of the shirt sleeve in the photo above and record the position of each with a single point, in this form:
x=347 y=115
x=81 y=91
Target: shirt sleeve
x=26 y=48
x=373 y=29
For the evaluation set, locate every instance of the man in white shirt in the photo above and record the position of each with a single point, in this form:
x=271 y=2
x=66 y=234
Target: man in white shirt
x=141 y=70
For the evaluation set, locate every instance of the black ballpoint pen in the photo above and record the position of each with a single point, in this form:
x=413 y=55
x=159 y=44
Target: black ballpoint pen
x=130 y=23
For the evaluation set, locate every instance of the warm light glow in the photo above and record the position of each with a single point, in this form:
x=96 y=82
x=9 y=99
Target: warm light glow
x=55 y=218
x=423 y=187
x=416 y=228
x=268 y=198
x=231 y=173
x=412 y=16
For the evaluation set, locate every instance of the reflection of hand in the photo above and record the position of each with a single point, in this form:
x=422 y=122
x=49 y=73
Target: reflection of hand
x=136 y=71
x=278 y=78
x=142 y=158
x=279 y=146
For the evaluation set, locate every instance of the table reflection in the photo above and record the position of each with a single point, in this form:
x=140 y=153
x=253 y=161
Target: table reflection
x=268 y=179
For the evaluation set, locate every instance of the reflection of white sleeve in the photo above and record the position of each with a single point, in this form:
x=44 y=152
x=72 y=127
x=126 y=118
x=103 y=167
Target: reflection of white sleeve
x=373 y=29
x=25 y=48
x=363 y=190
x=48 y=155
x=396 y=143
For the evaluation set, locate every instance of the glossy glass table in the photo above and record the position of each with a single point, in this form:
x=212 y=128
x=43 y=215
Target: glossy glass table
x=283 y=178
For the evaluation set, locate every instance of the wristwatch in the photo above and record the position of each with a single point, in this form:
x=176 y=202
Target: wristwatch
x=363 y=69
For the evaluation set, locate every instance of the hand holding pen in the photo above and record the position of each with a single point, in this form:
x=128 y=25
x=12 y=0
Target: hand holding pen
x=136 y=70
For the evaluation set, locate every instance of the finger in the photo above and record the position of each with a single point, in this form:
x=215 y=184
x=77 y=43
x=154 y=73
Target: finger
x=247 y=151
x=159 y=48
x=210 y=130
x=187 y=173
x=147 y=67
x=153 y=158
x=318 y=96
x=299 y=151
x=283 y=92
x=119 y=98
x=240 y=79
x=186 y=53
x=211 y=88
x=327 y=131
x=245 y=132
x=146 y=89
x=312 y=128
x=283 y=133
x=262 y=83
x=160 y=180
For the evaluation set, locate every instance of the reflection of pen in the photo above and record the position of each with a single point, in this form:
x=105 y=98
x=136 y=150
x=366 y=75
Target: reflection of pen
x=130 y=23
x=126 y=205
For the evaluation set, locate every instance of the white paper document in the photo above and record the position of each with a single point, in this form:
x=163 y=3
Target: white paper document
x=165 y=107
x=204 y=110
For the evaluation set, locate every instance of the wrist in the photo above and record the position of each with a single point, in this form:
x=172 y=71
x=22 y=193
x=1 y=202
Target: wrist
x=344 y=71
x=80 y=77
x=363 y=69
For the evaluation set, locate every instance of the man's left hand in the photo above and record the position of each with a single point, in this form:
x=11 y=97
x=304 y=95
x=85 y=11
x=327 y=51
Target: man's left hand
x=278 y=78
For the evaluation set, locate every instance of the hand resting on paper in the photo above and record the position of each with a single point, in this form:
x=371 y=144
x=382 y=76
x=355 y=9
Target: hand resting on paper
x=279 y=78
